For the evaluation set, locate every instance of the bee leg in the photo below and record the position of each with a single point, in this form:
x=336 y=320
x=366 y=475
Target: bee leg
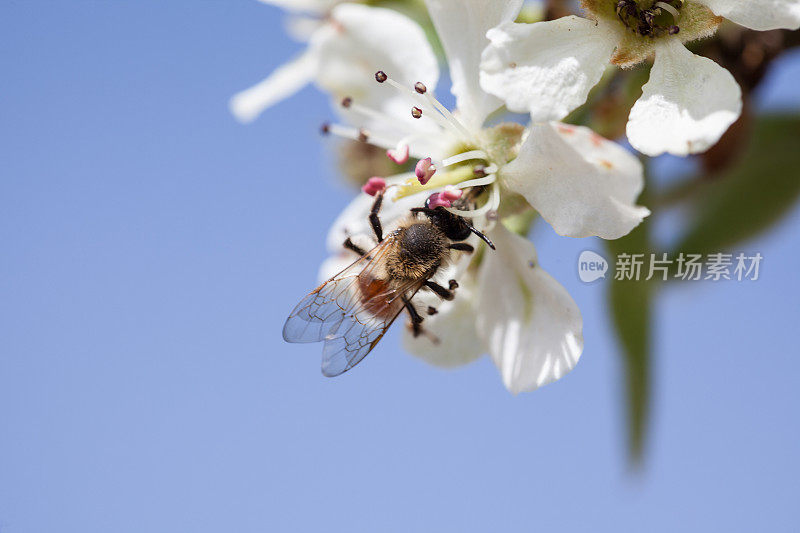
x=417 y=330
x=416 y=319
x=441 y=292
x=350 y=245
x=462 y=247
x=374 y=220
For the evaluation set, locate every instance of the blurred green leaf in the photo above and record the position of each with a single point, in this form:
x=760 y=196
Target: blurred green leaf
x=753 y=194
x=631 y=303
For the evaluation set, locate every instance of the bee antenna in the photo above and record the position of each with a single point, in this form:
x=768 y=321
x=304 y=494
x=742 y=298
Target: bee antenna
x=481 y=235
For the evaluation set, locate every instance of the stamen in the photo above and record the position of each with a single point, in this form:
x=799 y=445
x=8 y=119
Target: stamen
x=376 y=115
x=446 y=177
x=424 y=170
x=444 y=198
x=416 y=112
x=449 y=117
x=477 y=182
x=465 y=156
x=420 y=87
x=444 y=118
x=400 y=154
x=491 y=204
x=374 y=185
x=359 y=135
x=664 y=5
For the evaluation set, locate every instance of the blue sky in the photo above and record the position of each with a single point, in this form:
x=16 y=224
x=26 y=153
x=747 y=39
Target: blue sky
x=152 y=248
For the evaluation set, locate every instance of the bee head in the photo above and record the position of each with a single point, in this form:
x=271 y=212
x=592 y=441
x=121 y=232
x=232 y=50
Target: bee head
x=453 y=226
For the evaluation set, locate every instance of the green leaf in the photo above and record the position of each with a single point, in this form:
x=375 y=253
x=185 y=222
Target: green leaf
x=753 y=194
x=631 y=303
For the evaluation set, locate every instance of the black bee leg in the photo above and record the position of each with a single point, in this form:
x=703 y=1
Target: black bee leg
x=417 y=330
x=462 y=247
x=416 y=319
x=441 y=292
x=374 y=220
x=350 y=245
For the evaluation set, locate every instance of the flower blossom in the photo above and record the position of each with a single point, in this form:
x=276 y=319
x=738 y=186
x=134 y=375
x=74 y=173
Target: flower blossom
x=347 y=43
x=583 y=185
x=547 y=68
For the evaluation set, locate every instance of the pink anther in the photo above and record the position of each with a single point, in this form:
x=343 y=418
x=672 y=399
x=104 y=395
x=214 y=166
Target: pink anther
x=374 y=185
x=399 y=155
x=444 y=198
x=425 y=170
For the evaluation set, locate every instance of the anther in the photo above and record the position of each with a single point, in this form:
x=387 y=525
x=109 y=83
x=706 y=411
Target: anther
x=362 y=136
x=479 y=171
x=374 y=185
x=325 y=128
x=424 y=170
x=347 y=101
x=453 y=284
x=444 y=198
x=432 y=310
x=420 y=87
x=673 y=30
x=398 y=155
x=416 y=112
x=381 y=76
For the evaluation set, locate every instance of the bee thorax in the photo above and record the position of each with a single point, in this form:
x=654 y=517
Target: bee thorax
x=422 y=247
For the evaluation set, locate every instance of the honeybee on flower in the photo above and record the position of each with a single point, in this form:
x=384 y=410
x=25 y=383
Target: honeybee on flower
x=506 y=305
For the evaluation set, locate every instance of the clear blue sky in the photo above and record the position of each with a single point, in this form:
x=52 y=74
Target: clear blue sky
x=151 y=248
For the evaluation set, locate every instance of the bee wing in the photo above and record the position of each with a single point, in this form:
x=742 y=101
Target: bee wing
x=350 y=312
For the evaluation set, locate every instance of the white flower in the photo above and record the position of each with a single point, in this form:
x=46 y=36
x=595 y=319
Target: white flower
x=548 y=68
x=581 y=183
x=347 y=44
x=506 y=305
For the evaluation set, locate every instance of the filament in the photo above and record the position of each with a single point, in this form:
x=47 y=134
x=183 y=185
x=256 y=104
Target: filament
x=491 y=204
x=466 y=156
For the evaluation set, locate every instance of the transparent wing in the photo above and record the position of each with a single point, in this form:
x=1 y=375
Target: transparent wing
x=350 y=312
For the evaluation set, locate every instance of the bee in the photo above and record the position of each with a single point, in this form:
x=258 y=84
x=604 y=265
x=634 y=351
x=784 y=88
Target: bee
x=352 y=311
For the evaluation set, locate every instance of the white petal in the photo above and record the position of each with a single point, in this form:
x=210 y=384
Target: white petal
x=301 y=28
x=686 y=106
x=546 y=68
x=582 y=184
x=530 y=323
x=758 y=15
x=455 y=341
x=284 y=82
x=462 y=26
x=363 y=40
